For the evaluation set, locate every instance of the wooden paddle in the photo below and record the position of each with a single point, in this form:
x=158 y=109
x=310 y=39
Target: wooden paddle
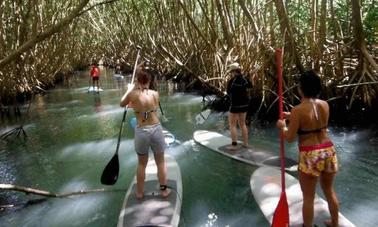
x=281 y=214
x=110 y=174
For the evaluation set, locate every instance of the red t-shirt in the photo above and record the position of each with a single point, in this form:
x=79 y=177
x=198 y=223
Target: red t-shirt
x=95 y=72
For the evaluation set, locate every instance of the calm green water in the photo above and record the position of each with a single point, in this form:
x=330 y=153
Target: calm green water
x=72 y=135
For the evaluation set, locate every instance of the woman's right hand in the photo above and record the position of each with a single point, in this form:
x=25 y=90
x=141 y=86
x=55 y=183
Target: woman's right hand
x=281 y=124
x=130 y=87
x=286 y=115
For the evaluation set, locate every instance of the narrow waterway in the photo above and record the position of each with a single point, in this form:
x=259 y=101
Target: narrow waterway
x=72 y=134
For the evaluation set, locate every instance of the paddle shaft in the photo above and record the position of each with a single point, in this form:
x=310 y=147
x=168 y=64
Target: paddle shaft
x=125 y=112
x=280 y=108
x=135 y=65
x=120 y=129
x=161 y=109
x=111 y=171
x=281 y=214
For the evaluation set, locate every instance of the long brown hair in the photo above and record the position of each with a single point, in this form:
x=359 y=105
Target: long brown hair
x=143 y=77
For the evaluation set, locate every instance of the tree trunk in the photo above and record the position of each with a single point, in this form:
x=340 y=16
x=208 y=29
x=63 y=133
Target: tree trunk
x=362 y=75
x=27 y=190
x=224 y=23
x=194 y=23
x=322 y=34
x=271 y=25
x=287 y=32
x=336 y=32
x=42 y=36
x=359 y=34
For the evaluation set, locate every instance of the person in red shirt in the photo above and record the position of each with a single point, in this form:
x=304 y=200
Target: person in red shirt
x=95 y=74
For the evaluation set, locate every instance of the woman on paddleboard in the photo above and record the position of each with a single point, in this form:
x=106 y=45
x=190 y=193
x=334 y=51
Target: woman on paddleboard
x=238 y=89
x=148 y=130
x=317 y=155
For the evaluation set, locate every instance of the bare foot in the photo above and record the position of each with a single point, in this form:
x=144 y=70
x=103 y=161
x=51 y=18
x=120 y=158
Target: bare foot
x=328 y=223
x=232 y=147
x=164 y=190
x=165 y=193
x=139 y=195
x=246 y=146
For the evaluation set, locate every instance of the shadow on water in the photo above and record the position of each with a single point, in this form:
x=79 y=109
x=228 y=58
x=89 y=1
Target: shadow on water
x=72 y=134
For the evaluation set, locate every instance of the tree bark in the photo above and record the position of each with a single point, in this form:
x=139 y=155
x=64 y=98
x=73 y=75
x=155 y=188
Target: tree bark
x=27 y=190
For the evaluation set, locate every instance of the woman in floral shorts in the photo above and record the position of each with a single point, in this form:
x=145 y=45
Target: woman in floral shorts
x=317 y=156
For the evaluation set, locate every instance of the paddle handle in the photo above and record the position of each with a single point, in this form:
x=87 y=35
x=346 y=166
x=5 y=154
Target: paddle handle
x=135 y=65
x=281 y=115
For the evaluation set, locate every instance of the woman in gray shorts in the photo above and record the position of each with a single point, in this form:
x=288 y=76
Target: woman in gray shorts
x=148 y=131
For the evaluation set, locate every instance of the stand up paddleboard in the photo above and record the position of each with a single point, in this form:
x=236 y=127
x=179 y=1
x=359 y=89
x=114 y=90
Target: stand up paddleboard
x=94 y=89
x=169 y=138
x=118 y=76
x=153 y=209
x=266 y=188
x=258 y=157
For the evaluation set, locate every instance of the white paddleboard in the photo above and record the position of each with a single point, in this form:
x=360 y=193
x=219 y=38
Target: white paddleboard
x=118 y=76
x=266 y=188
x=94 y=89
x=253 y=156
x=153 y=209
x=169 y=138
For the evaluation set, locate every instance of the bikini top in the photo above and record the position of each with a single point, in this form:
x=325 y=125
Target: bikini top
x=145 y=114
x=304 y=132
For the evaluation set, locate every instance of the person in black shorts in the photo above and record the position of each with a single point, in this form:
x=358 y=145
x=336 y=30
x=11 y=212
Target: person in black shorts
x=238 y=89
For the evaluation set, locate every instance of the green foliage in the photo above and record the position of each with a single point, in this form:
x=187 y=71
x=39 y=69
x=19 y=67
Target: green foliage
x=299 y=14
x=343 y=13
x=371 y=24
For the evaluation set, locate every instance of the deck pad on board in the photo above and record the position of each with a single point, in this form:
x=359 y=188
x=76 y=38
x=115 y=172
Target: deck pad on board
x=153 y=209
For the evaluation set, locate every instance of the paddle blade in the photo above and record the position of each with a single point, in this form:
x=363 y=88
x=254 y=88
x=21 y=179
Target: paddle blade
x=202 y=117
x=281 y=215
x=164 y=119
x=110 y=174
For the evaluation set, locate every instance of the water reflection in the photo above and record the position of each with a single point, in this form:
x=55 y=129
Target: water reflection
x=72 y=134
x=95 y=149
x=97 y=101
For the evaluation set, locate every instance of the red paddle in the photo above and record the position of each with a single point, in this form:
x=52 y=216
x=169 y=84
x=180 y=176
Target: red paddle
x=281 y=214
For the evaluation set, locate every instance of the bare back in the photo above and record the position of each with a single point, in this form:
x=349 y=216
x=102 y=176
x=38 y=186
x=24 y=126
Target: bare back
x=312 y=119
x=145 y=103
